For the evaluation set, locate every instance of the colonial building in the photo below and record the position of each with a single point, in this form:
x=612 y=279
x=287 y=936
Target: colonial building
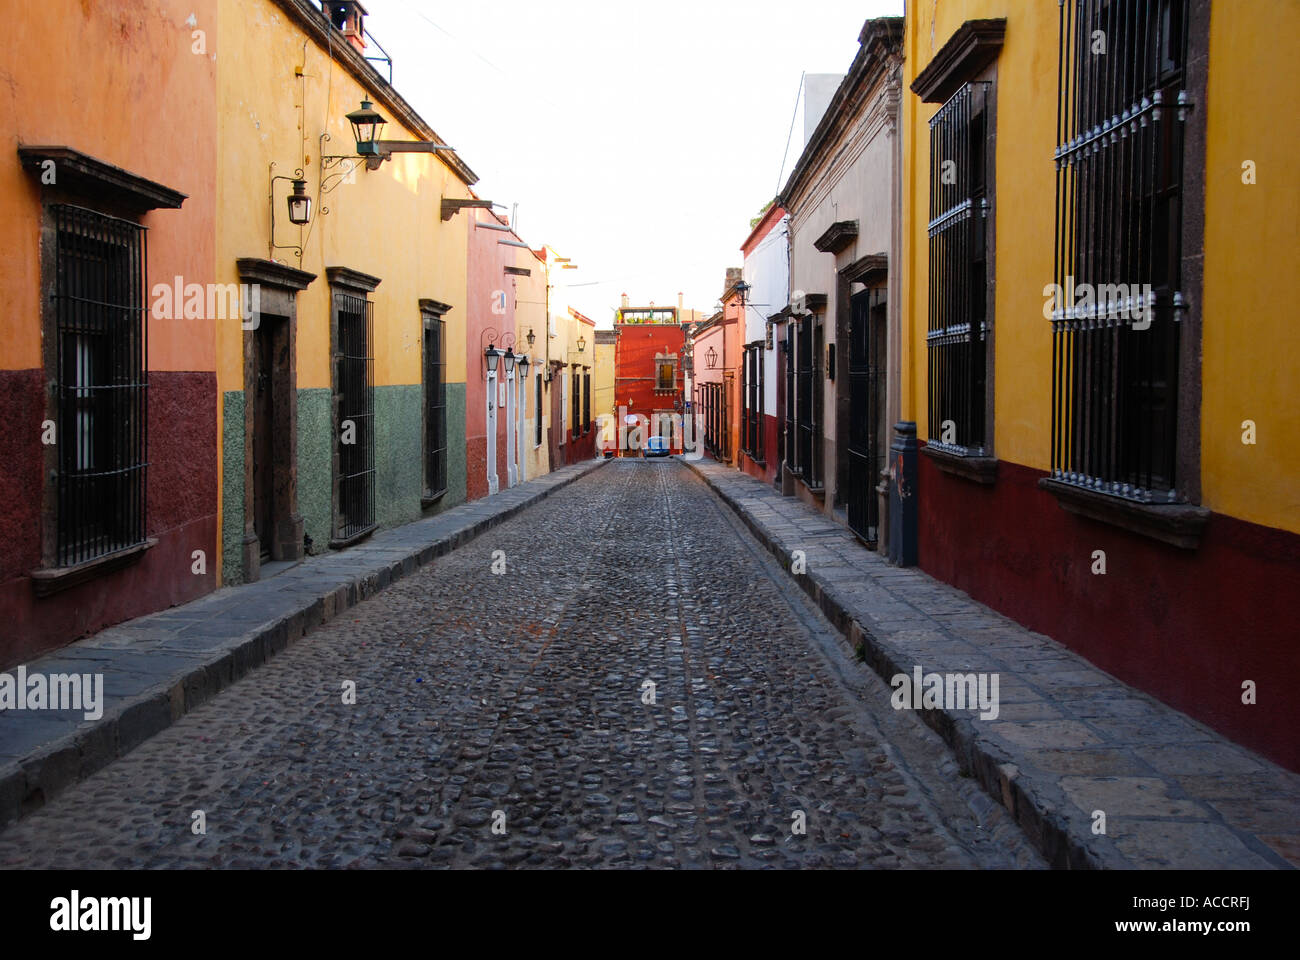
x=767 y=277
x=718 y=353
x=841 y=330
x=1096 y=359
x=107 y=343
x=342 y=399
x=648 y=375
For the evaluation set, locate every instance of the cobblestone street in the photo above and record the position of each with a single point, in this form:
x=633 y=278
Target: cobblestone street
x=516 y=701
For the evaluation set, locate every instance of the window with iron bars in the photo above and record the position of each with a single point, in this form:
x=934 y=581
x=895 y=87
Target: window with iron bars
x=435 y=414
x=753 y=420
x=577 y=404
x=537 y=426
x=586 y=401
x=1119 y=187
x=791 y=448
x=957 y=336
x=809 y=394
x=354 y=404
x=101 y=384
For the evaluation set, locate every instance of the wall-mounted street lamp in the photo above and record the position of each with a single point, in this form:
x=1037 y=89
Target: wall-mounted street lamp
x=510 y=362
x=582 y=344
x=368 y=124
x=299 y=203
x=531 y=336
x=493 y=356
x=523 y=367
x=711 y=358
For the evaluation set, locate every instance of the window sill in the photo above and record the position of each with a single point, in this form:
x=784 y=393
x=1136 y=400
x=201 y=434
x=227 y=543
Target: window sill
x=817 y=488
x=55 y=579
x=1178 y=524
x=429 y=499
x=355 y=538
x=982 y=470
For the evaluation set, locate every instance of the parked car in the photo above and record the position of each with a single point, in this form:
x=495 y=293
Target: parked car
x=656 y=447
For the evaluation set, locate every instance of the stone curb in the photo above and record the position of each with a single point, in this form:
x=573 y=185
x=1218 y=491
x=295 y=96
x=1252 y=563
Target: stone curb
x=72 y=755
x=1038 y=808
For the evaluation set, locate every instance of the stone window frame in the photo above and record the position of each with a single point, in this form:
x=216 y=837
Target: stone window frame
x=352 y=283
x=1181 y=524
x=432 y=312
x=970 y=56
x=107 y=190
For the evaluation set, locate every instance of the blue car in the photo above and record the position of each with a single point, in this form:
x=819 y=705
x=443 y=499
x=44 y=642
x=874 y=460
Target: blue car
x=656 y=447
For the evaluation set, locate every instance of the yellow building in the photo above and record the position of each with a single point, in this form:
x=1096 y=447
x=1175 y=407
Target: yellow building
x=604 y=409
x=530 y=341
x=1097 y=355
x=342 y=399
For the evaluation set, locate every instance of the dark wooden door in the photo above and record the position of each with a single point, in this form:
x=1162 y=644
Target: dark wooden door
x=866 y=382
x=263 y=438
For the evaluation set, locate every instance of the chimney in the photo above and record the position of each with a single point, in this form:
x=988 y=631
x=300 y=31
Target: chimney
x=734 y=275
x=680 y=297
x=348 y=16
x=626 y=303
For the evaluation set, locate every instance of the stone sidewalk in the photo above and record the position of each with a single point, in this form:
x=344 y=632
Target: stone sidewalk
x=1069 y=739
x=158 y=668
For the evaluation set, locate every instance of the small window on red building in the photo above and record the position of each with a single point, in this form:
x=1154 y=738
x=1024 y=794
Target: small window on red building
x=667 y=374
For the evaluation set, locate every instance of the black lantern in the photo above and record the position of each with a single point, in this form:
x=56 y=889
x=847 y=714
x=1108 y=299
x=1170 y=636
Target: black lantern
x=711 y=358
x=523 y=366
x=531 y=336
x=493 y=356
x=366 y=126
x=510 y=361
x=299 y=203
x=582 y=344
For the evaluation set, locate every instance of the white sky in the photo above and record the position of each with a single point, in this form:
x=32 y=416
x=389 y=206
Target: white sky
x=638 y=140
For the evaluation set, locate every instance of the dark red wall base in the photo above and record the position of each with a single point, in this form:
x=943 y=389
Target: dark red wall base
x=766 y=471
x=1188 y=627
x=182 y=499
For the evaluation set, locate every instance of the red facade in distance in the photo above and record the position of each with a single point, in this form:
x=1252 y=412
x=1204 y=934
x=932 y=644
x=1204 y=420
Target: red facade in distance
x=648 y=380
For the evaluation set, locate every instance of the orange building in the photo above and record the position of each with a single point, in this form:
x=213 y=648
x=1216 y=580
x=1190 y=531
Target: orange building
x=107 y=197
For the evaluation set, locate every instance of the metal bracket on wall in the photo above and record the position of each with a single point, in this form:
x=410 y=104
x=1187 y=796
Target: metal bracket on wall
x=296 y=248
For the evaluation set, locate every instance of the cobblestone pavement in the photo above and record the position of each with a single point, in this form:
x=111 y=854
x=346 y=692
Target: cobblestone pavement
x=501 y=720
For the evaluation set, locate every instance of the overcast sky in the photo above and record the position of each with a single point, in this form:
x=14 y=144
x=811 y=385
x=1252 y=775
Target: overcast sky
x=637 y=139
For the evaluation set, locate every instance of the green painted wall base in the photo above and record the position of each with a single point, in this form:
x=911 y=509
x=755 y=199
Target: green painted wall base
x=399 y=479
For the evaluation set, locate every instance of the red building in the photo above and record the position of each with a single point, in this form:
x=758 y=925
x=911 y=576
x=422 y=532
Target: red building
x=648 y=382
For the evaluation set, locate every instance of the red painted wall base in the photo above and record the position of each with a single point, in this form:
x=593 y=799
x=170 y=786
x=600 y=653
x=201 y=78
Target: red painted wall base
x=1188 y=627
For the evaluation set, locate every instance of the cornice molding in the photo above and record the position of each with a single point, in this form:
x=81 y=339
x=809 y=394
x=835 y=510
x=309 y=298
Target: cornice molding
x=271 y=273
x=83 y=174
x=969 y=50
x=838 y=235
x=318 y=27
x=881 y=43
x=351 y=279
